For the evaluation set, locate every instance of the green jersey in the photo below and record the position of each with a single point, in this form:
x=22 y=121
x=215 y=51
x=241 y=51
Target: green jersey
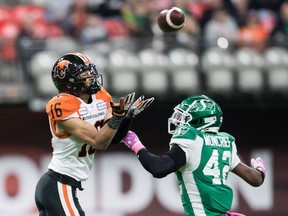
x=202 y=180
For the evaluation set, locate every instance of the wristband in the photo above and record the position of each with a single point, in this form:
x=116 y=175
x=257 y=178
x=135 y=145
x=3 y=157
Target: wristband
x=259 y=169
x=138 y=146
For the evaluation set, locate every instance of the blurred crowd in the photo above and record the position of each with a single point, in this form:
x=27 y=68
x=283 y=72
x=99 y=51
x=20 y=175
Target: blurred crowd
x=243 y=23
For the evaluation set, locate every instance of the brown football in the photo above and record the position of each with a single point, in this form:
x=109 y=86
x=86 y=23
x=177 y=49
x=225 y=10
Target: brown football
x=171 y=20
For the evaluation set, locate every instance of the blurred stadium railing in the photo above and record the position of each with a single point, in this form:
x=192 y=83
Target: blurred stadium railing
x=241 y=75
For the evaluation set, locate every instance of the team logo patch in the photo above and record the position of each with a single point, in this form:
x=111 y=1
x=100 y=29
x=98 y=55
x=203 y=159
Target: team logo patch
x=101 y=106
x=180 y=131
x=60 y=69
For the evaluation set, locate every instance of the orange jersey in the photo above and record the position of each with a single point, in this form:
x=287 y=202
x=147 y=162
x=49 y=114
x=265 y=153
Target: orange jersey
x=72 y=156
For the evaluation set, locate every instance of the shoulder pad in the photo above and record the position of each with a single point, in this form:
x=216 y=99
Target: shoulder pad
x=62 y=106
x=104 y=95
x=185 y=132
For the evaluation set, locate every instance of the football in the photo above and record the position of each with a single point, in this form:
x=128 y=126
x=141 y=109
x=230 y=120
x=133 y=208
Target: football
x=171 y=20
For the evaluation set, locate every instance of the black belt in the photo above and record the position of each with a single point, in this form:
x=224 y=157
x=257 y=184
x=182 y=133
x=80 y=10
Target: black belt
x=65 y=179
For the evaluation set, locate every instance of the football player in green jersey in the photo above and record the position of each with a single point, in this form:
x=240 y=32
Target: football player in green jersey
x=201 y=158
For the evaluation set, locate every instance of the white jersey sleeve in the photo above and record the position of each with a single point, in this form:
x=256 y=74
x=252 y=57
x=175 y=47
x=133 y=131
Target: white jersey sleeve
x=235 y=158
x=190 y=143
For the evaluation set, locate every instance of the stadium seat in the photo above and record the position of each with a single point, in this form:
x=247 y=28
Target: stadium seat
x=276 y=65
x=153 y=67
x=218 y=68
x=19 y=12
x=123 y=67
x=155 y=82
x=42 y=62
x=220 y=81
x=62 y=44
x=277 y=80
x=180 y=57
x=115 y=28
x=124 y=82
x=246 y=58
x=9 y=30
x=151 y=58
x=249 y=66
x=123 y=58
x=45 y=87
x=276 y=57
x=250 y=81
x=186 y=81
x=217 y=58
x=55 y=30
x=183 y=70
x=99 y=59
x=41 y=65
x=5 y=14
x=47 y=30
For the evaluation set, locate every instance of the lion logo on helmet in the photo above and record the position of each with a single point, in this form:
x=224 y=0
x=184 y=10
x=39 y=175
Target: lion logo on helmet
x=60 y=69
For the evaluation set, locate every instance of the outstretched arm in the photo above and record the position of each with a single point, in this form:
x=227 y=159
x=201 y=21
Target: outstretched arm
x=122 y=130
x=253 y=175
x=162 y=165
x=158 y=165
x=137 y=107
x=99 y=139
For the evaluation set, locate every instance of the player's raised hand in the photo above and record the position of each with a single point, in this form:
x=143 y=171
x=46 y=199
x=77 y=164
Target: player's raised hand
x=132 y=141
x=139 y=105
x=120 y=109
x=259 y=164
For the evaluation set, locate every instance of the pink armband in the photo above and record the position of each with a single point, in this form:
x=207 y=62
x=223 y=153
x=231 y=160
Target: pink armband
x=137 y=146
x=229 y=213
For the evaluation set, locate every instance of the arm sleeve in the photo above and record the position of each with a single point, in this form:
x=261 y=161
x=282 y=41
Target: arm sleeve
x=161 y=166
x=122 y=130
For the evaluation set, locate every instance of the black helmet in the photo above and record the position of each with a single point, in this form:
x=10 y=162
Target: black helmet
x=66 y=71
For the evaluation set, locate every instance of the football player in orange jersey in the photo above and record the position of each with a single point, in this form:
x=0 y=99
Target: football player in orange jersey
x=82 y=118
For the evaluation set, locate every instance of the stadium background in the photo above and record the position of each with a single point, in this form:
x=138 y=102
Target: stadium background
x=248 y=80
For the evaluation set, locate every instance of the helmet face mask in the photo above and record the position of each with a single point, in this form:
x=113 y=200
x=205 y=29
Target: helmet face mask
x=95 y=79
x=67 y=75
x=179 y=118
x=201 y=112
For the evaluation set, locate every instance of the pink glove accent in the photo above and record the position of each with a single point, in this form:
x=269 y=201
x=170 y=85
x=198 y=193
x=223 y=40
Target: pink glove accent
x=132 y=141
x=259 y=164
x=234 y=214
